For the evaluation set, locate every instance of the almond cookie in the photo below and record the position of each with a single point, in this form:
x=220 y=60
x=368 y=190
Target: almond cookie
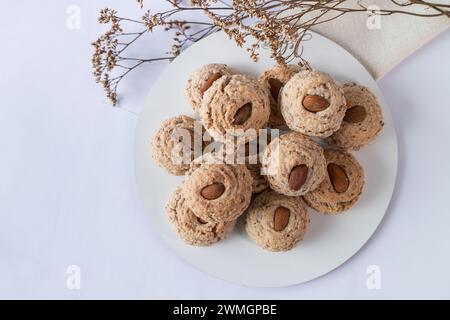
x=248 y=154
x=200 y=81
x=342 y=186
x=233 y=105
x=362 y=122
x=216 y=191
x=175 y=145
x=274 y=79
x=294 y=164
x=191 y=228
x=312 y=103
x=277 y=222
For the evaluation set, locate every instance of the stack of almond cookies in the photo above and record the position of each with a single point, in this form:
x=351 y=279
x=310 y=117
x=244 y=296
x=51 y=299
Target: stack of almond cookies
x=230 y=171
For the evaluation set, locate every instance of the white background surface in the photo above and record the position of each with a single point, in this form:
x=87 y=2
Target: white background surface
x=68 y=195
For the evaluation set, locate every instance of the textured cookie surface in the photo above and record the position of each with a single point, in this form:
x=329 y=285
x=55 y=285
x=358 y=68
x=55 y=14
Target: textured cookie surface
x=274 y=79
x=294 y=164
x=249 y=154
x=362 y=122
x=233 y=105
x=342 y=186
x=189 y=227
x=312 y=103
x=174 y=145
x=201 y=80
x=216 y=191
x=277 y=222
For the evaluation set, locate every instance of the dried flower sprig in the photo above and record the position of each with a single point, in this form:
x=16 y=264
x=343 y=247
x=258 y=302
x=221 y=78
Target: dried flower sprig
x=110 y=61
x=280 y=25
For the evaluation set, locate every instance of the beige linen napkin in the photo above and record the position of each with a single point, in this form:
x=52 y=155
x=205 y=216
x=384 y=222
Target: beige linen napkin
x=380 y=49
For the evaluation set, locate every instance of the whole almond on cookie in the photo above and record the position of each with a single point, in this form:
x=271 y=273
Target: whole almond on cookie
x=243 y=114
x=355 y=114
x=297 y=177
x=213 y=191
x=338 y=178
x=281 y=218
x=315 y=103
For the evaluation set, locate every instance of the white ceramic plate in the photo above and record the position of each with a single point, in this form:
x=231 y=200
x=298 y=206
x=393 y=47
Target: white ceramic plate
x=330 y=240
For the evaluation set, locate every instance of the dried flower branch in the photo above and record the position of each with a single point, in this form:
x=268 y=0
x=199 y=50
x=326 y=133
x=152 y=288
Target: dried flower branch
x=110 y=61
x=280 y=25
